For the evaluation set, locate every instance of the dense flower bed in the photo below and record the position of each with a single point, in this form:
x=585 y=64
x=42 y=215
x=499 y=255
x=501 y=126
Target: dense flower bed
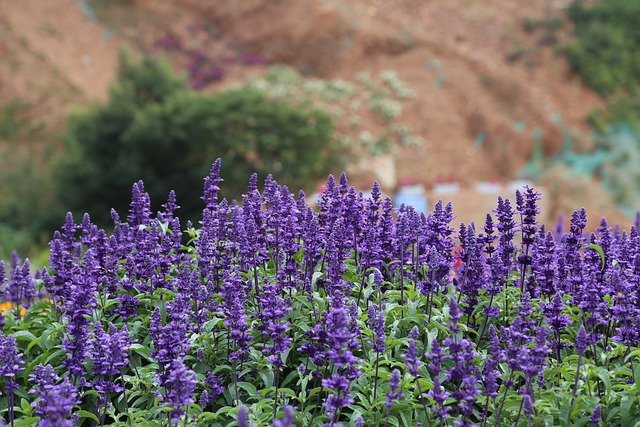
x=272 y=313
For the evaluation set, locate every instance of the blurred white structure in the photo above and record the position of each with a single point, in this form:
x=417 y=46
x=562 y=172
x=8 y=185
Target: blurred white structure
x=411 y=194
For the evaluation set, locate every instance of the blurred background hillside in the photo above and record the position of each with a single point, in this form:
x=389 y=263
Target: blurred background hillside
x=469 y=95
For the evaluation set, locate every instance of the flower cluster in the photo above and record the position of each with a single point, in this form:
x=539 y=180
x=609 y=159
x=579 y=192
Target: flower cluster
x=352 y=312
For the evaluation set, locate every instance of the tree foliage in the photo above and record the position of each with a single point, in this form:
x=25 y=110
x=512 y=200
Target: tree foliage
x=606 y=52
x=154 y=128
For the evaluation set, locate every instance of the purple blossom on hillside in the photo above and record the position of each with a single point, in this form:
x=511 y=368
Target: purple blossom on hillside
x=463 y=373
x=581 y=341
x=234 y=293
x=140 y=207
x=179 y=386
x=329 y=205
x=10 y=362
x=537 y=355
x=528 y=209
x=273 y=311
x=495 y=351
x=55 y=402
x=169 y=344
x=354 y=327
x=543 y=263
x=340 y=335
x=20 y=290
x=488 y=238
x=376 y=322
x=439 y=230
x=558 y=321
x=76 y=343
x=371 y=255
x=215 y=388
x=578 y=222
x=43 y=376
x=394 y=388
x=596 y=416
x=527 y=403
x=589 y=296
x=439 y=396
x=412 y=360
x=435 y=357
x=625 y=309
x=340 y=396
x=316 y=345
x=387 y=232
x=454 y=316
x=212 y=186
x=243 y=418
x=109 y=356
x=491 y=374
x=507 y=228
x=472 y=274
x=288 y=419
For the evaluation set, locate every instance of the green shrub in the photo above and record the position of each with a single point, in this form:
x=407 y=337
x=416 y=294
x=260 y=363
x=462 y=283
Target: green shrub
x=155 y=129
x=606 y=52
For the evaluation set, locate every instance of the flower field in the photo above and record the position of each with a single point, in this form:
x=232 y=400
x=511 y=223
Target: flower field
x=271 y=312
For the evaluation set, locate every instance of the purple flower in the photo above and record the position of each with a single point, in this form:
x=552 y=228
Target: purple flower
x=179 y=386
x=506 y=228
x=21 y=288
x=376 y=324
x=109 y=356
x=596 y=416
x=528 y=209
x=581 y=341
x=394 y=388
x=55 y=401
x=10 y=362
x=235 y=296
x=412 y=361
x=340 y=335
x=274 y=310
x=472 y=274
x=436 y=357
x=43 y=376
x=454 y=316
x=211 y=186
x=558 y=321
x=288 y=419
x=439 y=396
x=243 y=418
x=214 y=389
x=340 y=396
x=543 y=264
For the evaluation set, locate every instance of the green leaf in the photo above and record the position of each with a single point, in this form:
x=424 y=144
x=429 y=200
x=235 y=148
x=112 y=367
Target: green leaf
x=598 y=249
x=604 y=375
x=87 y=414
x=24 y=336
x=26 y=422
x=625 y=408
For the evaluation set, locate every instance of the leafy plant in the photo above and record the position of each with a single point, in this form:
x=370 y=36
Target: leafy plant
x=379 y=98
x=354 y=313
x=606 y=53
x=155 y=129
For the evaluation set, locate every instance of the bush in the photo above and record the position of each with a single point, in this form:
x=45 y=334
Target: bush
x=154 y=128
x=607 y=50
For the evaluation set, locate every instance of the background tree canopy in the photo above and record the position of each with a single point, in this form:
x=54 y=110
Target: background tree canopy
x=606 y=52
x=155 y=129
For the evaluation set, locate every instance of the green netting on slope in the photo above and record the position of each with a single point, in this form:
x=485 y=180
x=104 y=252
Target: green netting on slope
x=615 y=162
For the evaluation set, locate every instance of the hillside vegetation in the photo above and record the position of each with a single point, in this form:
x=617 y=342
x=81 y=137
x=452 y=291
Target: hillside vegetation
x=438 y=91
